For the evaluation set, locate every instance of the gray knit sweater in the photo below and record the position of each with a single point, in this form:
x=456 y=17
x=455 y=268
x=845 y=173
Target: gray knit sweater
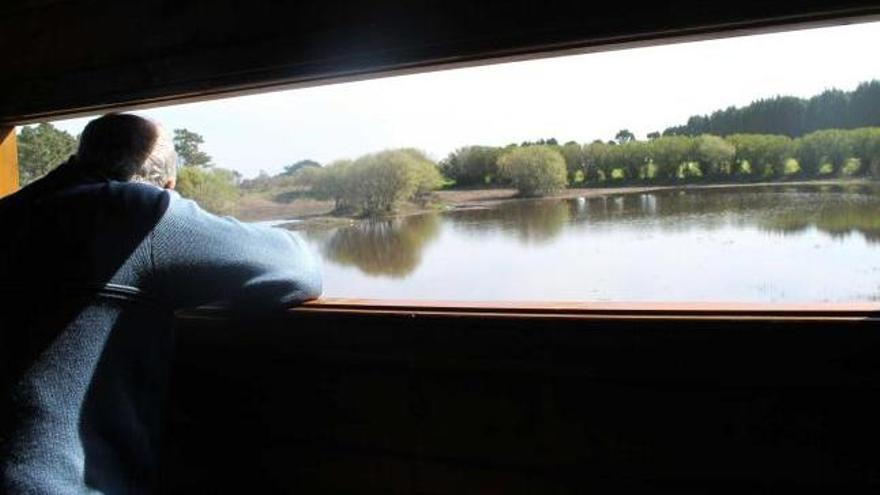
x=91 y=272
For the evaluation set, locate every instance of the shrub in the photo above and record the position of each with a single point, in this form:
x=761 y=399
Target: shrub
x=829 y=146
x=332 y=182
x=866 y=147
x=374 y=183
x=533 y=170
x=668 y=153
x=471 y=165
x=766 y=154
x=213 y=189
x=715 y=155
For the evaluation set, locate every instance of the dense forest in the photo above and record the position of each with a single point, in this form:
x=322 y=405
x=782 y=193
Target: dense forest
x=791 y=116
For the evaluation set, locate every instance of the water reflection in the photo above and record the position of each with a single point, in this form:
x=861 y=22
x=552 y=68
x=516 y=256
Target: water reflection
x=844 y=213
x=782 y=243
x=391 y=248
x=835 y=210
x=529 y=221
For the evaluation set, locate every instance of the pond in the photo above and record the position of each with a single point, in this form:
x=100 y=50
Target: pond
x=731 y=244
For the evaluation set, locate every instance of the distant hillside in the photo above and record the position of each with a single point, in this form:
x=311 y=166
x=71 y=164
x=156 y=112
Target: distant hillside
x=792 y=116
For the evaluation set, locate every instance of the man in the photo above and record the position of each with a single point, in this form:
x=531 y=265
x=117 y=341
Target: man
x=94 y=260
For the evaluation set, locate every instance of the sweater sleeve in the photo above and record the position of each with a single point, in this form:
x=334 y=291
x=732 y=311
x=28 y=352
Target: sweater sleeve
x=200 y=258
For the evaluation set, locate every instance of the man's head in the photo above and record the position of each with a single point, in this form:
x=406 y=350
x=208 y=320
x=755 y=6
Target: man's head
x=126 y=147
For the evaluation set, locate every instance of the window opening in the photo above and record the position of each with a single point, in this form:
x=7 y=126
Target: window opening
x=733 y=170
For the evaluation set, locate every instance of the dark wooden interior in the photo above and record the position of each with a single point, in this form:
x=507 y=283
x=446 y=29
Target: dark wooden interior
x=323 y=402
x=359 y=400
x=74 y=56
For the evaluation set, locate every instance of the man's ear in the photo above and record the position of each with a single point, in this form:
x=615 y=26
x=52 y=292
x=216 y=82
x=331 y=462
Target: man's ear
x=170 y=183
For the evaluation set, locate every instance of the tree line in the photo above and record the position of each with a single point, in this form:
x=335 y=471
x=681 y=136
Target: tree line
x=377 y=182
x=678 y=159
x=792 y=116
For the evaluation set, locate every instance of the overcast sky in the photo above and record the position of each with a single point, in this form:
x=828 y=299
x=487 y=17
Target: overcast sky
x=580 y=97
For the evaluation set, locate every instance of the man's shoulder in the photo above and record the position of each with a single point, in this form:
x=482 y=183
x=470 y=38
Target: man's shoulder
x=138 y=193
x=85 y=197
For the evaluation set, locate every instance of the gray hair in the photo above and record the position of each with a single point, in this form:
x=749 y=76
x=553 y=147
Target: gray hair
x=127 y=147
x=160 y=165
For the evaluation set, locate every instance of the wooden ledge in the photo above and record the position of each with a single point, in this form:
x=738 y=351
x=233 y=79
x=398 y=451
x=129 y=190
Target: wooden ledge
x=595 y=310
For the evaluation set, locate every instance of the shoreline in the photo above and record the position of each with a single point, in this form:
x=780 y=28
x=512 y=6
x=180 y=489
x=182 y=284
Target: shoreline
x=305 y=213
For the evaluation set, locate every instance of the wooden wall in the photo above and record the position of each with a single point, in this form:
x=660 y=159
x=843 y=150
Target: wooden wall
x=68 y=56
x=358 y=403
x=459 y=404
x=8 y=161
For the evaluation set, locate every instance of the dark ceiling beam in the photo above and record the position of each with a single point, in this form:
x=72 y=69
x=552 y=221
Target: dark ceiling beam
x=67 y=57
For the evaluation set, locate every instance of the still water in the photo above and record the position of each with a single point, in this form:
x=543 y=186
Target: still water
x=750 y=244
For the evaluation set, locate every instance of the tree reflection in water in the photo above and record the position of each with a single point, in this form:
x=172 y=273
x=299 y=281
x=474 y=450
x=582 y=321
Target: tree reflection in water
x=384 y=247
x=529 y=221
x=393 y=248
x=836 y=220
x=836 y=210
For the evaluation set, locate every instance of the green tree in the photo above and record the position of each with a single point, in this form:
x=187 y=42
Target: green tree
x=765 y=154
x=632 y=157
x=332 y=182
x=573 y=154
x=375 y=183
x=290 y=170
x=213 y=189
x=866 y=147
x=471 y=165
x=597 y=161
x=829 y=146
x=42 y=148
x=624 y=136
x=653 y=135
x=715 y=155
x=668 y=153
x=427 y=175
x=790 y=116
x=385 y=179
x=186 y=144
x=259 y=183
x=533 y=170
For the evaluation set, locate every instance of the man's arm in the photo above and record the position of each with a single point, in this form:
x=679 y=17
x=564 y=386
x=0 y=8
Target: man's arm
x=200 y=258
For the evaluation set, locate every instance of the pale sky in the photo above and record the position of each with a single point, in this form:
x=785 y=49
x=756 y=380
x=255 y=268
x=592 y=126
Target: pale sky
x=578 y=97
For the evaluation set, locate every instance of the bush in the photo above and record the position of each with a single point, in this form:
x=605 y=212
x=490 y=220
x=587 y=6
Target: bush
x=213 y=189
x=668 y=153
x=715 y=155
x=866 y=147
x=533 y=170
x=597 y=161
x=471 y=165
x=374 y=183
x=766 y=154
x=573 y=154
x=333 y=182
x=829 y=146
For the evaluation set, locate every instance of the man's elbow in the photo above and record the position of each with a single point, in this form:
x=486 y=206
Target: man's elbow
x=312 y=287
x=308 y=277
x=277 y=293
x=306 y=286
